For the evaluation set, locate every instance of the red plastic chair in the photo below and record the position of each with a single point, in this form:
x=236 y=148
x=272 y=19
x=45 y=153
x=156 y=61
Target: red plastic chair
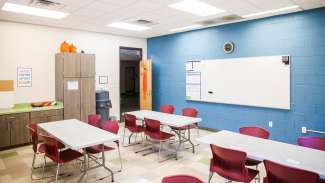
x=113 y=127
x=131 y=125
x=37 y=148
x=57 y=155
x=190 y=112
x=153 y=131
x=181 y=179
x=230 y=164
x=255 y=132
x=94 y=120
x=167 y=109
x=277 y=173
x=312 y=142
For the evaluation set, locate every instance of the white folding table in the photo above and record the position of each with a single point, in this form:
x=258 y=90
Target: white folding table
x=260 y=149
x=172 y=120
x=78 y=135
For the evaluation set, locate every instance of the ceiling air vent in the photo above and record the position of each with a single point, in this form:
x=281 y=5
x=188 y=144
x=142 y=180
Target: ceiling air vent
x=47 y=4
x=220 y=20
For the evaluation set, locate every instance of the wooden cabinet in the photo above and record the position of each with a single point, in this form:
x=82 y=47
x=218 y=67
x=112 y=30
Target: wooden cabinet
x=88 y=103
x=71 y=99
x=4 y=132
x=46 y=116
x=19 y=133
x=75 y=84
x=87 y=67
x=13 y=129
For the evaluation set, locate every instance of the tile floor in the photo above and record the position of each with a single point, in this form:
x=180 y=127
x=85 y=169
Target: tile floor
x=15 y=165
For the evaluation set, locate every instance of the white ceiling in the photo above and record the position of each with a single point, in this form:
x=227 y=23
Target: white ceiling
x=94 y=15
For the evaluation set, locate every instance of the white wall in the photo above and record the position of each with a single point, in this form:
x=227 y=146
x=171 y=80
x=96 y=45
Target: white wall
x=34 y=46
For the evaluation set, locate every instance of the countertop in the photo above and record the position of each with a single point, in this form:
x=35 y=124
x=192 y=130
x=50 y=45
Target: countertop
x=26 y=107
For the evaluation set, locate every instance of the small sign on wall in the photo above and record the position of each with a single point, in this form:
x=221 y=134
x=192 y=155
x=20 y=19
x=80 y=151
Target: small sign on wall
x=24 y=77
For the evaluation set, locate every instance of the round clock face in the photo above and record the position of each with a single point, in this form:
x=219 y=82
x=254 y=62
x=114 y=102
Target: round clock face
x=228 y=47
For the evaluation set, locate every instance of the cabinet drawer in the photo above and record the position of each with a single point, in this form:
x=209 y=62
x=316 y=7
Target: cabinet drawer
x=46 y=113
x=11 y=117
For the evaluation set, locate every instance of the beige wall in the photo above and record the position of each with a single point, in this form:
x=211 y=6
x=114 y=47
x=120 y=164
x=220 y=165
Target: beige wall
x=34 y=46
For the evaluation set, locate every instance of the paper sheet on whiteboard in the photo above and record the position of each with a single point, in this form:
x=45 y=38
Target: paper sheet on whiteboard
x=73 y=85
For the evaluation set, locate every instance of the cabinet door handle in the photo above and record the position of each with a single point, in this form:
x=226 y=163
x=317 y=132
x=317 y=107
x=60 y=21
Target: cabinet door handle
x=12 y=117
x=8 y=126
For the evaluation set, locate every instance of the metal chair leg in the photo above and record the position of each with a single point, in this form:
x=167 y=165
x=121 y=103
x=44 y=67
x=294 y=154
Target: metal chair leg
x=57 y=172
x=44 y=164
x=123 y=134
x=160 y=146
x=210 y=176
x=119 y=154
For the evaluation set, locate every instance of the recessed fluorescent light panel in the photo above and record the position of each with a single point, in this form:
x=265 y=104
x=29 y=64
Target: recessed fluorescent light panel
x=196 y=7
x=271 y=11
x=127 y=26
x=185 y=28
x=17 y=8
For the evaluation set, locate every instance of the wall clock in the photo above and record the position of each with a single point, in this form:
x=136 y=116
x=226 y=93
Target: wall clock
x=228 y=47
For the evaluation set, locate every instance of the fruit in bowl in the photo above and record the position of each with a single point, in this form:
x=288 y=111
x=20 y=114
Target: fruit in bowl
x=41 y=104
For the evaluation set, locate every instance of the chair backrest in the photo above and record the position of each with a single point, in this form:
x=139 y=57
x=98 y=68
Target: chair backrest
x=230 y=163
x=181 y=179
x=152 y=126
x=111 y=126
x=94 y=119
x=167 y=109
x=190 y=112
x=312 y=142
x=277 y=173
x=51 y=147
x=32 y=128
x=255 y=131
x=130 y=120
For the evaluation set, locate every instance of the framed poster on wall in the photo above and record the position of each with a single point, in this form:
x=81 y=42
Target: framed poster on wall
x=24 y=77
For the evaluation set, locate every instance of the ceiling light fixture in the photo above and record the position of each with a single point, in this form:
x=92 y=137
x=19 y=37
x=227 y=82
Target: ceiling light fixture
x=17 y=8
x=196 y=7
x=186 y=28
x=271 y=11
x=128 y=26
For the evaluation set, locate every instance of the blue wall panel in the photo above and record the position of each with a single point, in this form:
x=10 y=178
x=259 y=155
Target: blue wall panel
x=302 y=35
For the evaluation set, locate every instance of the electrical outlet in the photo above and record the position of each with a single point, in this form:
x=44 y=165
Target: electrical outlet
x=303 y=129
x=270 y=124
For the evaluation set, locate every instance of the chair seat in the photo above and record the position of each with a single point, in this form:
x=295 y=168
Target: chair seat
x=98 y=149
x=160 y=135
x=41 y=148
x=251 y=162
x=68 y=155
x=186 y=127
x=136 y=129
x=234 y=176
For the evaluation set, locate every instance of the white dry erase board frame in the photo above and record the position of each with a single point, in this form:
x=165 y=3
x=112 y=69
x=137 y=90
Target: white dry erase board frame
x=251 y=81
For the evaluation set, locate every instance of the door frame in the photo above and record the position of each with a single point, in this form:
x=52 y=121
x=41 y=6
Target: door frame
x=120 y=81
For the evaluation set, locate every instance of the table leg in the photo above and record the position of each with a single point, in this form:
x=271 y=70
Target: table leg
x=189 y=140
x=85 y=166
x=106 y=168
x=179 y=136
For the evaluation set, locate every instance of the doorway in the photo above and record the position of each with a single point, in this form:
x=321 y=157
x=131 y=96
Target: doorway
x=129 y=78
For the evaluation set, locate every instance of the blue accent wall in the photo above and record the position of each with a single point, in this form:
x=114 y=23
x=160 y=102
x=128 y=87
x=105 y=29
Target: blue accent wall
x=302 y=35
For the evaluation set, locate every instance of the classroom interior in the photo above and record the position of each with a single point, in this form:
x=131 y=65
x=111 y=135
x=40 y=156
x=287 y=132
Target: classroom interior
x=162 y=91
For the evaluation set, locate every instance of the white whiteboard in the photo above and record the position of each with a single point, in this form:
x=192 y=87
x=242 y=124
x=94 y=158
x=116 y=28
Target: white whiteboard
x=254 y=81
